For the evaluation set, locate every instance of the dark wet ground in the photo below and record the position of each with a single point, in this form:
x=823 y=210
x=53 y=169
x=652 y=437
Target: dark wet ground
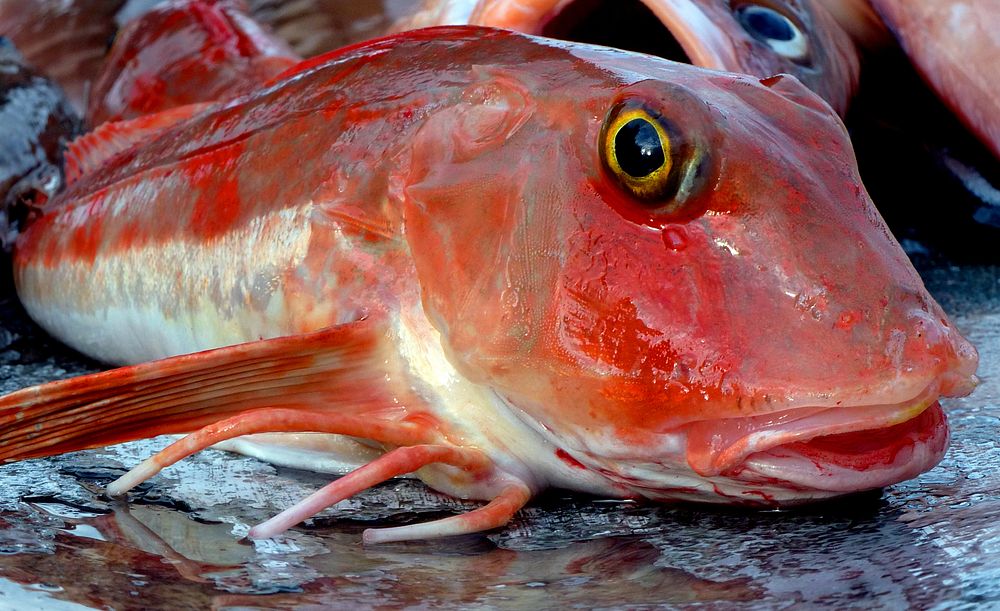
x=931 y=543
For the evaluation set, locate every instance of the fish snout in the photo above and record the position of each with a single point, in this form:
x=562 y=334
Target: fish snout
x=929 y=341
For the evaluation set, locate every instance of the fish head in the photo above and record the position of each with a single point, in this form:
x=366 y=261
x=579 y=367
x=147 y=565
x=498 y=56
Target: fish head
x=677 y=276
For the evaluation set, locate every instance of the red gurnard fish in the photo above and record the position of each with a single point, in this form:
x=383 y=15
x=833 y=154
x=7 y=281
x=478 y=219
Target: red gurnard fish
x=181 y=52
x=954 y=45
x=508 y=263
x=758 y=37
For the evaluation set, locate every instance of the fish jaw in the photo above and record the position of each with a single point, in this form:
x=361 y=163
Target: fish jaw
x=861 y=460
x=788 y=459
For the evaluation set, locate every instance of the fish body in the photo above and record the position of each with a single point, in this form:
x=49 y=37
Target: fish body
x=797 y=37
x=953 y=45
x=508 y=262
x=36 y=124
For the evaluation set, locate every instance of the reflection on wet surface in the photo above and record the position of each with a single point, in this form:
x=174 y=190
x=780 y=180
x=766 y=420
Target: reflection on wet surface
x=931 y=542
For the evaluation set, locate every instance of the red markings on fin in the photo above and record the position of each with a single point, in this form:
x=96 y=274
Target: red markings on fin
x=90 y=151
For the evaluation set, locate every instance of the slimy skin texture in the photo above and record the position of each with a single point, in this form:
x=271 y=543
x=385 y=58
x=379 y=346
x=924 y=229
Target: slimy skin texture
x=429 y=230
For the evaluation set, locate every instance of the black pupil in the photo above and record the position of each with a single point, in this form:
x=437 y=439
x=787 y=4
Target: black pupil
x=638 y=148
x=766 y=24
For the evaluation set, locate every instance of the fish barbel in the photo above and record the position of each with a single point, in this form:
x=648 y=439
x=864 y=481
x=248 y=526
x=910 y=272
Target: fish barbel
x=509 y=263
x=761 y=38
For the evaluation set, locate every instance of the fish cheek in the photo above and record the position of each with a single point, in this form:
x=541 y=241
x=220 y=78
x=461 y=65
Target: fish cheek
x=477 y=230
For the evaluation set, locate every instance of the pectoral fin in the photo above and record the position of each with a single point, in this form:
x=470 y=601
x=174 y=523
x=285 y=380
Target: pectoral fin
x=341 y=370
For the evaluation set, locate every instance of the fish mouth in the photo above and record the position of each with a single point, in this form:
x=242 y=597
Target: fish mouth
x=860 y=460
x=622 y=24
x=833 y=449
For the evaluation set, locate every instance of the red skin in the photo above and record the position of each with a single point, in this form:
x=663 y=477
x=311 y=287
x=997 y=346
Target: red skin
x=181 y=52
x=457 y=173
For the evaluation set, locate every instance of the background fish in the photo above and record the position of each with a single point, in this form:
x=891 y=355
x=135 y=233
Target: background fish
x=859 y=19
x=68 y=39
x=511 y=263
x=900 y=129
x=761 y=38
x=954 y=45
x=185 y=51
x=65 y=39
x=312 y=27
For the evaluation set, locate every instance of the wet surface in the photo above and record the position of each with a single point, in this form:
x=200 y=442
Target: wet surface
x=933 y=542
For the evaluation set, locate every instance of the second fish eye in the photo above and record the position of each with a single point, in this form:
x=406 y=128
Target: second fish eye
x=773 y=29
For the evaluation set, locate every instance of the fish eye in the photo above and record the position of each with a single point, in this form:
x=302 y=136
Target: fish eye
x=636 y=146
x=775 y=30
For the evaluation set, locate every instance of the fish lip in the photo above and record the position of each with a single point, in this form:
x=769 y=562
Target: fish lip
x=921 y=443
x=726 y=447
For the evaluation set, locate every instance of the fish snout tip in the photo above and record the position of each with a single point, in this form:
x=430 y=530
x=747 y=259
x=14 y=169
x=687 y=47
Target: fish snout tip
x=934 y=341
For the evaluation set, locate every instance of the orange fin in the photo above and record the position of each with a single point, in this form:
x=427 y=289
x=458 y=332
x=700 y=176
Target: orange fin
x=341 y=370
x=91 y=150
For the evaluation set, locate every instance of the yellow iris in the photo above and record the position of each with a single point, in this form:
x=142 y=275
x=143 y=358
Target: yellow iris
x=637 y=150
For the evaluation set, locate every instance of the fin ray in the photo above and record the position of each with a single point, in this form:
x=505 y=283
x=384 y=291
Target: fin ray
x=494 y=514
x=340 y=369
